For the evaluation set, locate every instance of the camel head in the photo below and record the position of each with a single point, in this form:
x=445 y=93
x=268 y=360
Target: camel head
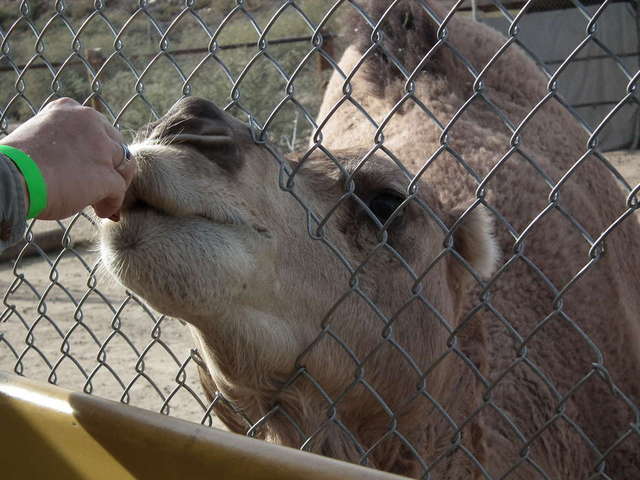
x=323 y=264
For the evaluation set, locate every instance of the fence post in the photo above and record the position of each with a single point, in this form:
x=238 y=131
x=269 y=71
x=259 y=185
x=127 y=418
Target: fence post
x=329 y=47
x=96 y=60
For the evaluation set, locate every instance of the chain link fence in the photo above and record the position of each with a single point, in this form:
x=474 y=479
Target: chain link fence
x=66 y=321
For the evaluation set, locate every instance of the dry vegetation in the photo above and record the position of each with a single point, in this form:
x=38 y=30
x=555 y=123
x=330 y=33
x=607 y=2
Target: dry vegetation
x=139 y=85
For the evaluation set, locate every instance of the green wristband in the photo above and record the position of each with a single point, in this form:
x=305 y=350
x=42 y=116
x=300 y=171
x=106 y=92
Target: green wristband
x=36 y=186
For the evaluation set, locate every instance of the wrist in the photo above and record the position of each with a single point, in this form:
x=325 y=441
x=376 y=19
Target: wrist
x=32 y=180
x=25 y=191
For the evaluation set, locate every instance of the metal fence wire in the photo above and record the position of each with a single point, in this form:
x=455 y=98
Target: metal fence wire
x=534 y=375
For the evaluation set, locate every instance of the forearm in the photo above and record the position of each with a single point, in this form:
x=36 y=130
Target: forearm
x=13 y=203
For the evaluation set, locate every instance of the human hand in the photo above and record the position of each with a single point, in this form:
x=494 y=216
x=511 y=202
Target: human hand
x=81 y=158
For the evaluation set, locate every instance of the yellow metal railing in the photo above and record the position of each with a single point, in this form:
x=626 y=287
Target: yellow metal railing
x=50 y=433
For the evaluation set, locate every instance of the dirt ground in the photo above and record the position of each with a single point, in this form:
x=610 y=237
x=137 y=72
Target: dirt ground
x=628 y=164
x=65 y=320
x=87 y=333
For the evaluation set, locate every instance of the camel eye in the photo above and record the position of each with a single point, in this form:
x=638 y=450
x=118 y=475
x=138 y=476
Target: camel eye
x=383 y=205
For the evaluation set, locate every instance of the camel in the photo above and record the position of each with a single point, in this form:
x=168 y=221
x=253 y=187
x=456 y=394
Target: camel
x=396 y=296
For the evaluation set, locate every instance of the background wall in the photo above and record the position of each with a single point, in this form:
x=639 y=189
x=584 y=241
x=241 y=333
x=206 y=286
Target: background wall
x=594 y=81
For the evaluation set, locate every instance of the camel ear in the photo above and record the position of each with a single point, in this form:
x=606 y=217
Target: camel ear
x=473 y=239
x=405 y=33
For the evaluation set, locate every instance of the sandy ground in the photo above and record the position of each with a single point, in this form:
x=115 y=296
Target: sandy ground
x=65 y=320
x=87 y=333
x=628 y=164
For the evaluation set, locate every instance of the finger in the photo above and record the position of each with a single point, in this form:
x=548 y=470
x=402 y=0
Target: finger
x=112 y=132
x=110 y=206
x=124 y=163
x=115 y=187
x=59 y=103
x=128 y=170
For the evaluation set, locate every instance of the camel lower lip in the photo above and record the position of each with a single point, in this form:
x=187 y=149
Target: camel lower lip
x=141 y=227
x=141 y=208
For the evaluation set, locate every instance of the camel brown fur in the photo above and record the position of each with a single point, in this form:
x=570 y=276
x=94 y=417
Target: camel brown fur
x=604 y=303
x=408 y=343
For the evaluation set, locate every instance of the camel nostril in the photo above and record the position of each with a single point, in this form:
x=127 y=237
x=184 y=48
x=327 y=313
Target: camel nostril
x=199 y=108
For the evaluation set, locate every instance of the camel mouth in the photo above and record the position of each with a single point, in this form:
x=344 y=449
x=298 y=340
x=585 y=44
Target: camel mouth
x=142 y=209
x=141 y=200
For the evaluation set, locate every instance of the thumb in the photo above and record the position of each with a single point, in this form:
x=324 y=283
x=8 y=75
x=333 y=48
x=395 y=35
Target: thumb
x=111 y=204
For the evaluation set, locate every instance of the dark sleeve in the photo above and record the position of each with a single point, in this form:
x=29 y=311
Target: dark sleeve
x=13 y=211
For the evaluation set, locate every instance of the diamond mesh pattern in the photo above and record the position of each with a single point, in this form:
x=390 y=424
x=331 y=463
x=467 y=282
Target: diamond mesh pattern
x=64 y=321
